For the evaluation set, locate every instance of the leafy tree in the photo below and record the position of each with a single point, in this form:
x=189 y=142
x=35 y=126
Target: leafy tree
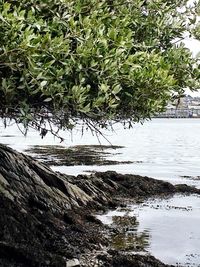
x=196 y=28
x=97 y=60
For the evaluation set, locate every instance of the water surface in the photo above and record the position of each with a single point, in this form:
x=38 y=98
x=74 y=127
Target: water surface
x=166 y=228
x=167 y=149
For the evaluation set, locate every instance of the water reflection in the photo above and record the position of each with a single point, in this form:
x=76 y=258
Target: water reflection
x=125 y=235
x=168 y=228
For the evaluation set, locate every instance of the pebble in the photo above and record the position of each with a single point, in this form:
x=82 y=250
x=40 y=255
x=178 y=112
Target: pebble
x=73 y=263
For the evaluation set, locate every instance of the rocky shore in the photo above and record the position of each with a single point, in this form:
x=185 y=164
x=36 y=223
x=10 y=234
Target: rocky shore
x=47 y=218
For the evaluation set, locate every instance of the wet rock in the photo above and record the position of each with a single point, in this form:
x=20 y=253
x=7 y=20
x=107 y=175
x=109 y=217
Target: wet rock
x=134 y=261
x=183 y=188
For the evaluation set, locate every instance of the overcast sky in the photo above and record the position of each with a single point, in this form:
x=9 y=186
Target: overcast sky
x=194 y=46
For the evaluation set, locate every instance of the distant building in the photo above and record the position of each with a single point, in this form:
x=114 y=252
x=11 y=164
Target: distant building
x=186 y=107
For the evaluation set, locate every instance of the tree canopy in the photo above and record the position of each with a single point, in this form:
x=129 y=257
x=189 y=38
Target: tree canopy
x=97 y=60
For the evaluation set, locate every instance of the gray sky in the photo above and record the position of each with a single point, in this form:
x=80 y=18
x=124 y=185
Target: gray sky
x=194 y=46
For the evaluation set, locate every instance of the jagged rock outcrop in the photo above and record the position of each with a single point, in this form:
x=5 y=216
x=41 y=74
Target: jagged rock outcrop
x=45 y=217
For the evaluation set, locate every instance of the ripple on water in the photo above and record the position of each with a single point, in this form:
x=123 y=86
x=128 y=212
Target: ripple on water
x=167 y=228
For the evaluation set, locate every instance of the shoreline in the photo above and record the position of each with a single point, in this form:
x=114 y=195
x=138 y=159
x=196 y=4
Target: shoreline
x=48 y=218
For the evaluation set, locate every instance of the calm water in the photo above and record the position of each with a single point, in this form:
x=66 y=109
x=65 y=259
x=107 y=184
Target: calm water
x=167 y=149
x=168 y=229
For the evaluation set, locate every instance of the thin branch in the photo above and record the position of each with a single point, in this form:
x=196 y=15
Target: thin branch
x=97 y=131
x=178 y=40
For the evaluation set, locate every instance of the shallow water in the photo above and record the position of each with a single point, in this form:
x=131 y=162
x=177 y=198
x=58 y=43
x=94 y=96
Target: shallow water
x=168 y=229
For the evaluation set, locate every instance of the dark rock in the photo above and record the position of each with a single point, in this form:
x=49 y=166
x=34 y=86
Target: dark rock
x=183 y=188
x=122 y=260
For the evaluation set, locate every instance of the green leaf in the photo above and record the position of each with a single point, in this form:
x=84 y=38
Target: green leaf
x=48 y=99
x=104 y=87
x=43 y=83
x=116 y=89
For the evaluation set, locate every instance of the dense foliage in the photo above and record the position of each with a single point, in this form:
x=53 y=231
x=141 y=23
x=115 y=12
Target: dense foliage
x=196 y=31
x=98 y=60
